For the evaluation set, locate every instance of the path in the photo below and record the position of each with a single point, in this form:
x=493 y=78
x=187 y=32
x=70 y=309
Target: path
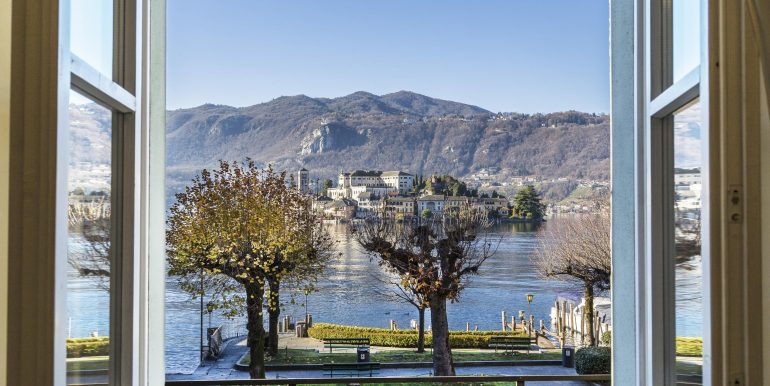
x=223 y=368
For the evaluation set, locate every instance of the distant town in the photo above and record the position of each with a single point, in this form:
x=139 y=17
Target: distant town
x=362 y=194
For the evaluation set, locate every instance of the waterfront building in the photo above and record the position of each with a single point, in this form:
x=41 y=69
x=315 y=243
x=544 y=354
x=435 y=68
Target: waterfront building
x=432 y=202
x=401 y=206
x=499 y=205
x=369 y=205
x=379 y=183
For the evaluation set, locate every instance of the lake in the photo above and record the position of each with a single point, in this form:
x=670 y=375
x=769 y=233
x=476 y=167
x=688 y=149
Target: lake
x=353 y=292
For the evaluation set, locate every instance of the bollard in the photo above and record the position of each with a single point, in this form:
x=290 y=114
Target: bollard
x=564 y=314
x=504 y=320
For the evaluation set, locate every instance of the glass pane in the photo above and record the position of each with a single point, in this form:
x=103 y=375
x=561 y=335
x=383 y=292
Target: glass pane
x=687 y=242
x=91 y=33
x=88 y=278
x=686 y=20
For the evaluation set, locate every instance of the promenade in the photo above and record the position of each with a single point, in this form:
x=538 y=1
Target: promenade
x=235 y=349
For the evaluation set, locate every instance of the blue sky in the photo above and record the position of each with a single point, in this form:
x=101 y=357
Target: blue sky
x=514 y=55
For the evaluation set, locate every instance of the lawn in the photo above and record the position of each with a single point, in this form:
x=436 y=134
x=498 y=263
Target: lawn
x=296 y=356
x=687 y=368
x=88 y=363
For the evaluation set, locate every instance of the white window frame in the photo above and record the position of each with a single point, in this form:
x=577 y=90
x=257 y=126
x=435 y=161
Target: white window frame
x=726 y=83
x=44 y=73
x=643 y=101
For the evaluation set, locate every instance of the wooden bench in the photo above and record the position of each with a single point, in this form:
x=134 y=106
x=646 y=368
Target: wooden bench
x=351 y=369
x=511 y=343
x=331 y=343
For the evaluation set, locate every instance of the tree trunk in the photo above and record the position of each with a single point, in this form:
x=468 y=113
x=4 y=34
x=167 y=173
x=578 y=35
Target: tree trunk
x=588 y=313
x=256 y=338
x=442 y=351
x=274 y=311
x=421 y=331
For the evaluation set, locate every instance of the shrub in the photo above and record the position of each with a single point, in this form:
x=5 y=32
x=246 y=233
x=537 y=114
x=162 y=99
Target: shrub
x=689 y=347
x=88 y=347
x=404 y=338
x=593 y=360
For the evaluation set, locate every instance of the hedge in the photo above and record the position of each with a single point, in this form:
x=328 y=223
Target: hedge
x=689 y=347
x=593 y=360
x=88 y=347
x=404 y=338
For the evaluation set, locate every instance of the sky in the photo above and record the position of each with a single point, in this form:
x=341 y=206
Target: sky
x=508 y=55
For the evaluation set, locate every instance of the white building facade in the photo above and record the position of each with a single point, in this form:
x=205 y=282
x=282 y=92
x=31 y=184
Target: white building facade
x=379 y=183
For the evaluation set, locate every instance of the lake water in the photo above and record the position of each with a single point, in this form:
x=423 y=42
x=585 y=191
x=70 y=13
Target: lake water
x=351 y=293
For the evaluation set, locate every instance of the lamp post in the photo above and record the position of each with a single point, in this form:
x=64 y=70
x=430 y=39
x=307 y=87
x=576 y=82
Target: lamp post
x=529 y=301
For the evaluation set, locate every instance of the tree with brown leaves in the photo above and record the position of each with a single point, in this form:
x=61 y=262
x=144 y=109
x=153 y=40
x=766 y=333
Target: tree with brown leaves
x=247 y=225
x=434 y=257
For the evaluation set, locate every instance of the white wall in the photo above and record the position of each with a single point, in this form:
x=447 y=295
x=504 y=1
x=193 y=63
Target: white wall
x=5 y=105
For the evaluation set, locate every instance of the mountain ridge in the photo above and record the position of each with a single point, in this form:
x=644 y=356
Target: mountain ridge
x=396 y=131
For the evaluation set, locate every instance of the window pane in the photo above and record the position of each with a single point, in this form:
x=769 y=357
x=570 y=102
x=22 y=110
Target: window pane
x=91 y=30
x=686 y=20
x=687 y=242
x=88 y=278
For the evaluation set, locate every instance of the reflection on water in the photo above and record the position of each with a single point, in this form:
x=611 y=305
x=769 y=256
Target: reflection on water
x=351 y=293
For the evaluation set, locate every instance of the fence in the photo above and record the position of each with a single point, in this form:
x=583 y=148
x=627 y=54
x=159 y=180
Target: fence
x=519 y=380
x=218 y=335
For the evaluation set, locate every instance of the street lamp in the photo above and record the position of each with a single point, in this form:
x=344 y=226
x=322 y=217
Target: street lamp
x=529 y=301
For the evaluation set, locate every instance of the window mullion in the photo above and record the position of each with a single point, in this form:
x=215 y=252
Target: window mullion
x=87 y=80
x=676 y=96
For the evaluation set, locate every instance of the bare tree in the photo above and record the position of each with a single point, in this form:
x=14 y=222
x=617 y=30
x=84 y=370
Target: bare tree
x=91 y=219
x=435 y=257
x=578 y=248
x=409 y=294
x=687 y=225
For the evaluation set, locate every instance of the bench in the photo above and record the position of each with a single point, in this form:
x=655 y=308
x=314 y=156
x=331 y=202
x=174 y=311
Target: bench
x=331 y=343
x=511 y=343
x=351 y=369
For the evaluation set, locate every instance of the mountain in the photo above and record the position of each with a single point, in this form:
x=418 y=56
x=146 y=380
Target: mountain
x=398 y=131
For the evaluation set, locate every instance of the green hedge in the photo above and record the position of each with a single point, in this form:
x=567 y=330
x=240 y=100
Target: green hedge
x=593 y=360
x=404 y=338
x=689 y=347
x=88 y=347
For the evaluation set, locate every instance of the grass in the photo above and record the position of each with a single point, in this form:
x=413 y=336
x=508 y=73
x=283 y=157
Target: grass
x=88 y=363
x=687 y=368
x=296 y=356
x=689 y=347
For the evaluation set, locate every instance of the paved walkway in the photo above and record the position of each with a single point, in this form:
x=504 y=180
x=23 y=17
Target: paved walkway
x=487 y=370
x=223 y=368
